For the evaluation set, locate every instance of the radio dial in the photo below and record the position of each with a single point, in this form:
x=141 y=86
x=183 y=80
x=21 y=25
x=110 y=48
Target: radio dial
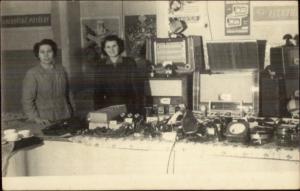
x=237 y=128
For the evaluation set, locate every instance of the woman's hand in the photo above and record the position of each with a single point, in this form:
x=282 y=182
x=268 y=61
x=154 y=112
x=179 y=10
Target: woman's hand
x=43 y=122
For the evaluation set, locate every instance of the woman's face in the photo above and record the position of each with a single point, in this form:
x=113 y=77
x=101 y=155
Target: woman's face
x=112 y=48
x=46 y=54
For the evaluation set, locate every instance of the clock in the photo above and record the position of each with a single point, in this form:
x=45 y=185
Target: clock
x=238 y=131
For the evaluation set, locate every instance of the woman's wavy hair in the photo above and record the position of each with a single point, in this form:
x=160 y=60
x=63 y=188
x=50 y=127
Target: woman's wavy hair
x=49 y=42
x=119 y=41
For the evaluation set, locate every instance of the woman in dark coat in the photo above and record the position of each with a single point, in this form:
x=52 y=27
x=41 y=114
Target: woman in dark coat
x=116 y=77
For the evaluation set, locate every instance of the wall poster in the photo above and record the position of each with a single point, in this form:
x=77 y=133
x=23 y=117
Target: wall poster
x=93 y=30
x=182 y=14
x=237 y=18
x=137 y=29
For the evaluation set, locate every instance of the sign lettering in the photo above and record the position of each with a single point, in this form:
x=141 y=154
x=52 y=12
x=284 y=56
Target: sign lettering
x=26 y=20
x=275 y=13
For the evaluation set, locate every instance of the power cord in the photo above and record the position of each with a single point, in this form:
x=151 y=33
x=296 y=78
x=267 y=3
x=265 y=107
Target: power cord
x=211 y=36
x=169 y=158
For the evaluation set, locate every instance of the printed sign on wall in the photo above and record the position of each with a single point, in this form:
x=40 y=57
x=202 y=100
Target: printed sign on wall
x=36 y=20
x=237 y=18
x=275 y=13
x=182 y=16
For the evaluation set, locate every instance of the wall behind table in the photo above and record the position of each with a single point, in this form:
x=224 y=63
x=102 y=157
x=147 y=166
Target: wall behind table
x=17 y=42
x=212 y=24
x=108 y=9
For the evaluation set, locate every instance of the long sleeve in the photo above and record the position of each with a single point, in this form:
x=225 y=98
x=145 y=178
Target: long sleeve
x=99 y=85
x=69 y=94
x=135 y=102
x=72 y=102
x=134 y=79
x=29 y=93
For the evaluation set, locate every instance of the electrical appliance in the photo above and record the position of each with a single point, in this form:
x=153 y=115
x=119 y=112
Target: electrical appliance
x=185 y=53
x=229 y=94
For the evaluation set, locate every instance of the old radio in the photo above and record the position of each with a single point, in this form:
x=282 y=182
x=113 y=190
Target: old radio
x=167 y=93
x=101 y=117
x=234 y=75
x=186 y=54
x=222 y=108
x=233 y=93
x=212 y=130
x=261 y=134
x=288 y=135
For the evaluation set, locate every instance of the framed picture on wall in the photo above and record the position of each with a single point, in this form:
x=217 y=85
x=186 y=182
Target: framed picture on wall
x=137 y=29
x=93 y=30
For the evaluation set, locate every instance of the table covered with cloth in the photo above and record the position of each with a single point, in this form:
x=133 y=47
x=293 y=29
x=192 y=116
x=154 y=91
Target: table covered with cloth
x=85 y=155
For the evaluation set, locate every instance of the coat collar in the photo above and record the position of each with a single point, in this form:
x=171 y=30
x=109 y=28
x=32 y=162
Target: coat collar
x=119 y=61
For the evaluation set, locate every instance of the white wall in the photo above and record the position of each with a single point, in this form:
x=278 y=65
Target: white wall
x=212 y=13
x=23 y=38
x=211 y=25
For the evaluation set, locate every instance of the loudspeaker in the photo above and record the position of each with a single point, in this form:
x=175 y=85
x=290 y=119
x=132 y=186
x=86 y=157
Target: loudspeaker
x=236 y=55
x=272 y=98
x=285 y=62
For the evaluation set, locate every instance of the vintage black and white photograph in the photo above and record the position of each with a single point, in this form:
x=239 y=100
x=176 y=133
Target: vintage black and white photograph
x=150 y=95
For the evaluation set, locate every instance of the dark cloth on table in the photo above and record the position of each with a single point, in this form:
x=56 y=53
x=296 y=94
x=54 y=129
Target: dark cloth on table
x=118 y=83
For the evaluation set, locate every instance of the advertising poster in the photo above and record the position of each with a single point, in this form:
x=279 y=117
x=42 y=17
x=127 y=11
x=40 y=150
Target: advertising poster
x=188 y=11
x=137 y=29
x=182 y=15
x=237 y=18
x=93 y=30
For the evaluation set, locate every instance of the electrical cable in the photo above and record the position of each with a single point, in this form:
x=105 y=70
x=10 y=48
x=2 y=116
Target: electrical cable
x=173 y=162
x=171 y=150
x=211 y=36
x=122 y=20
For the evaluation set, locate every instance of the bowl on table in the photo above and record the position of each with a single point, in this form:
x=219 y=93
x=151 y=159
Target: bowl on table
x=25 y=133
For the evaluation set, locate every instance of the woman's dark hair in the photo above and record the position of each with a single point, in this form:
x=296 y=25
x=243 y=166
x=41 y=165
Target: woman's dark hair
x=119 y=41
x=49 y=42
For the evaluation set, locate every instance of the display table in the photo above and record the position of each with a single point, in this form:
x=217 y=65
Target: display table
x=235 y=158
x=125 y=156
x=141 y=163
x=66 y=159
